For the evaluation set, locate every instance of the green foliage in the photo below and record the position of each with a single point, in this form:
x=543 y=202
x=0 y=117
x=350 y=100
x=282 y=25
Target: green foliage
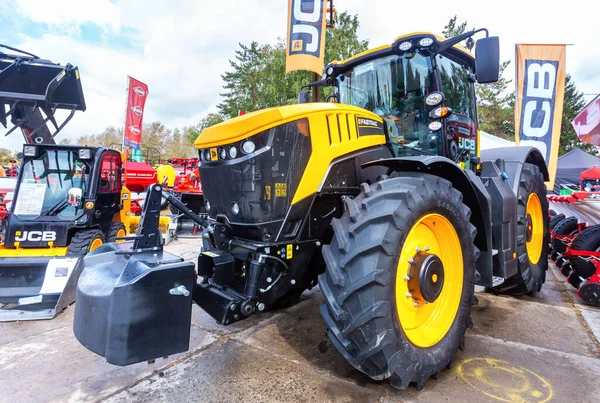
x=573 y=104
x=258 y=79
x=6 y=155
x=109 y=137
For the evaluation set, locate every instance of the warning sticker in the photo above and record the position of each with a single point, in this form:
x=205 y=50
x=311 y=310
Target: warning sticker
x=213 y=154
x=280 y=189
x=289 y=251
x=58 y=272
x=268 y=192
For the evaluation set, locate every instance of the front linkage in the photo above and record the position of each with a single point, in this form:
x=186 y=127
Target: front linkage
x=137 y=286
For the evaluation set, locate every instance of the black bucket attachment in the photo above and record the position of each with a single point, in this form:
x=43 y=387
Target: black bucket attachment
x=133 y=307
x=30 y=85
x=33 y=288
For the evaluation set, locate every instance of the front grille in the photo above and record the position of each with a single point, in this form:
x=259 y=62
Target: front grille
x=262 y=184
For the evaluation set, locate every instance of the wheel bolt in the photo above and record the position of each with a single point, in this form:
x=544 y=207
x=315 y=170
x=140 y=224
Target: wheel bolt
x=418 y=249
x=406 y=278
x=411 y=260
x=416 y=304
x=427 y=249
x=408 y=295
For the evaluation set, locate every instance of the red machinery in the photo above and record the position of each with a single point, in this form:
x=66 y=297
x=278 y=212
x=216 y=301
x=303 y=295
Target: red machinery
x=188 y=189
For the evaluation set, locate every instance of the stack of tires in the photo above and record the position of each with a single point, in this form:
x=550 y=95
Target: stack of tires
x=581 y=273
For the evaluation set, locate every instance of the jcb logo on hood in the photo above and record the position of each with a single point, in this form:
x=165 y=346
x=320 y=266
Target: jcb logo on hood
x=35 y=236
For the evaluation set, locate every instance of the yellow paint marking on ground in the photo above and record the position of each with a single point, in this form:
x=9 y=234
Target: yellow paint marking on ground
x=504 y=381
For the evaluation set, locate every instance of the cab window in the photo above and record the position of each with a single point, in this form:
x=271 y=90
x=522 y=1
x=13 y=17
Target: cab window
x=110 y=173
x=461 y=126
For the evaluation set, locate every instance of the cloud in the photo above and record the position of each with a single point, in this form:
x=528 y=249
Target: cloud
x=181 y=47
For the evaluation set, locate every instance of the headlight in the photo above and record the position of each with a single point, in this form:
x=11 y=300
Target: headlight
x=404 y=46
x=435 y=126
x=330 y=70
x=207 y=205
x=434 y=99
x=426 y=42
x=441 y=112
x=85 y=153
x=222 y=153
x=30 y=151
x=232 y=152
x=207 y=155
x=248 y=146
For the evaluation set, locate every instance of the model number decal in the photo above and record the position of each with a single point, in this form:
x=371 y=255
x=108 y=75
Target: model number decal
x=35 y=236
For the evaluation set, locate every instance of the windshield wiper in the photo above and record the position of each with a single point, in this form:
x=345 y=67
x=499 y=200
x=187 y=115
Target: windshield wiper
x=57 y=208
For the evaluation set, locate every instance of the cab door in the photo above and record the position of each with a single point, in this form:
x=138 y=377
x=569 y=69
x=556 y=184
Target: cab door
x=108 y=193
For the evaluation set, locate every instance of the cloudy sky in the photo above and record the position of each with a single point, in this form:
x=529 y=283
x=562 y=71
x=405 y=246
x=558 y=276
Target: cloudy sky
x=180 y=47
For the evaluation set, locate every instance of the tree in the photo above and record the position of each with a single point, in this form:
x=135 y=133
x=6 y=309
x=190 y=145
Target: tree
x=6 y=155
x=573 y=104
x=109 y=137
x=258 y=79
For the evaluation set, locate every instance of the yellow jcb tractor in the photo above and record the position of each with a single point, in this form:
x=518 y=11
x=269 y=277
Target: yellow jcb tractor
x=382 y=198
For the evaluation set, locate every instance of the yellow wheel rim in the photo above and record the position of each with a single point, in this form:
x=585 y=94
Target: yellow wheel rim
x=96 y=243
x=426 y=324
x=535 y=228
x=120 y=233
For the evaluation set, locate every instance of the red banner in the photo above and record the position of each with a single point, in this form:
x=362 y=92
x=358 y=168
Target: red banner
x=136 y=99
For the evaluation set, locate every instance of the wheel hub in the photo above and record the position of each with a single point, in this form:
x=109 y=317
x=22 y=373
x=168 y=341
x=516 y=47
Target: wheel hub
x=426 y=277
x=529 y=223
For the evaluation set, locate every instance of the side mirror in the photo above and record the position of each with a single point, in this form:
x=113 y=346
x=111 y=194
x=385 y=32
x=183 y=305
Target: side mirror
x=487 y=60
x=74 y=197
x=304 y=97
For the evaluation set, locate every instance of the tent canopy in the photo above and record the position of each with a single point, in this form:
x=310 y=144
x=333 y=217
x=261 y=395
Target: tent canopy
x=570 y=167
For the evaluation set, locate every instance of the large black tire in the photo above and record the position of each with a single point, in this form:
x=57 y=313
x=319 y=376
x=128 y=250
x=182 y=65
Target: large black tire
x=359 y=284
x=82 y=241
x=555 y=220
x=117 y=229
x=531 y=272
x=568 y=226
x=589 y=240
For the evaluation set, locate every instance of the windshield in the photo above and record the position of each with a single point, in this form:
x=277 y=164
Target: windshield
x=45 y=182
x=395 y=88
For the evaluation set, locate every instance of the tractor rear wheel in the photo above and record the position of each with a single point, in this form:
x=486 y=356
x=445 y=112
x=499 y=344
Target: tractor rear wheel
x=83 y=242
x=588 y=240
x=117 y=229
x=399 y=281
x=533 y=237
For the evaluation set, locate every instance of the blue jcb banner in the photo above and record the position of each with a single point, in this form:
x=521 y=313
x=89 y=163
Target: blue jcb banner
x=540 y=90
x=306 y=35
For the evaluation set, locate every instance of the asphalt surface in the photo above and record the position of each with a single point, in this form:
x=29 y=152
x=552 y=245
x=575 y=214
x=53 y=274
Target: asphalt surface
x=529 y=349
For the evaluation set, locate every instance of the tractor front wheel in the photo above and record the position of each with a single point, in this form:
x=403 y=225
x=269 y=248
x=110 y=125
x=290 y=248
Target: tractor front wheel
x=83 y=242
x=399 y=282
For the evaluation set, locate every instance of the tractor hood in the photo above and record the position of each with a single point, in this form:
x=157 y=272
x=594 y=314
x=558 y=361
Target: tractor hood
x=247 y=125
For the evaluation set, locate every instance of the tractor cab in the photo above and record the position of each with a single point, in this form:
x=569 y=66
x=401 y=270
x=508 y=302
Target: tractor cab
x=61 y=189
x=422 y=86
